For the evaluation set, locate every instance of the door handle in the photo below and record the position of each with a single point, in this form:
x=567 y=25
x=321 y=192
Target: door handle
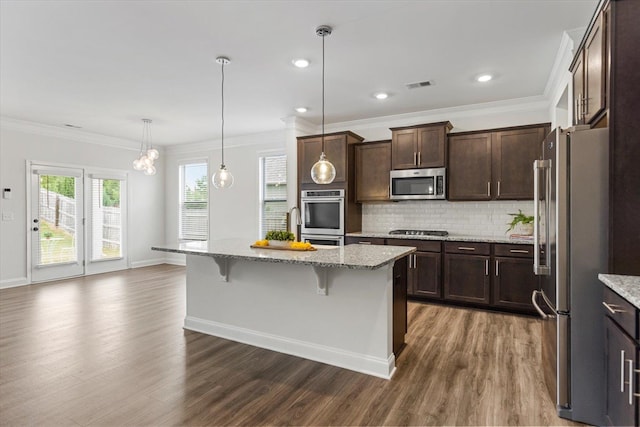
x=35 y=228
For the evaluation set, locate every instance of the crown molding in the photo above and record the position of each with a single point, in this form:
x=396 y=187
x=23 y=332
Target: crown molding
x=560 y=68
x=299 y=125
x=260 y=138
x=75 y=135
x=532 y=103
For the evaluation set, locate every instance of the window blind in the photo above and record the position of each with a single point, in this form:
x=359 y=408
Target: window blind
x=273 y=182
x=106 y=219
x=194 y=202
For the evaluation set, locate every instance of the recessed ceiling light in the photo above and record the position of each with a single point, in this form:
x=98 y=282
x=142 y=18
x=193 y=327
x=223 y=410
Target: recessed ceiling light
x=300 y=63
x=381 y=95
x=484 y=78
x=301 y=109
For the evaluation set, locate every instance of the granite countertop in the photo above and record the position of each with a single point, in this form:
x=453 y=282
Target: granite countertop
x=449 y=238
x=359 y=257
x=627 y=287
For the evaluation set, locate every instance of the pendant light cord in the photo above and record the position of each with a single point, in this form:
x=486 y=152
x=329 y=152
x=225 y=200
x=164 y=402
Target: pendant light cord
x=222 y=115
x=323 y=37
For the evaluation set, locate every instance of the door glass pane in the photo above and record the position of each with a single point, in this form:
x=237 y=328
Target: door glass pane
x=57 y=220
x=106 y=219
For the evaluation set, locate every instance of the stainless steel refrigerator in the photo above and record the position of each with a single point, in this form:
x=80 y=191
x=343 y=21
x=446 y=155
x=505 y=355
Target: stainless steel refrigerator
x=570 y=237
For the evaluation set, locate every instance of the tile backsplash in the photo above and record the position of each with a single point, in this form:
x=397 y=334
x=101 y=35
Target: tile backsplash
x=489 y=219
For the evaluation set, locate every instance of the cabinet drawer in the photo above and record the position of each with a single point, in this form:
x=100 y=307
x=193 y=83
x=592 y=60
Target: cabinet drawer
x=620 y=310
x=349 y=240
x=471 y=248
x=516 y=251
x=421 y=245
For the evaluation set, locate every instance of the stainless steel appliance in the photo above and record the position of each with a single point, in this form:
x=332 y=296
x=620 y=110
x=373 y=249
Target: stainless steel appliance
x=317 y=239
x=418 y=184
x=420 y=232
x=322 y=212
x=570 y=239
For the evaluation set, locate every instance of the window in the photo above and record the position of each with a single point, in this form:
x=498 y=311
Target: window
x=194 y=201
x=273 y=193
x=106 y=218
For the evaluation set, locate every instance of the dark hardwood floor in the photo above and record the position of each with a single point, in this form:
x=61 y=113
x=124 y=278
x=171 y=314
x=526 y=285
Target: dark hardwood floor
x=110 y=350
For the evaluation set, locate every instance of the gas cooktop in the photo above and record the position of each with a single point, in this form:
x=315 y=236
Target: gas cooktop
x=420 y=232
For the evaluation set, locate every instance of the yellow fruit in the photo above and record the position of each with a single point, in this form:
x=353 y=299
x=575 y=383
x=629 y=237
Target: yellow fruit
x=261 y=243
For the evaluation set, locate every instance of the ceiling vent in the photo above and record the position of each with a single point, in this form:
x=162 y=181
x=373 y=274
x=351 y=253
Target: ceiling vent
x=72 y=126
x=420 y=84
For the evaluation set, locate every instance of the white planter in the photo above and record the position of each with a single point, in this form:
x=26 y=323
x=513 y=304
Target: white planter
x=525 y=229
x=279 y=243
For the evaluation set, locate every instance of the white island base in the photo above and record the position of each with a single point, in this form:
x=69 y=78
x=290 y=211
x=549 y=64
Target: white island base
x=277 y=306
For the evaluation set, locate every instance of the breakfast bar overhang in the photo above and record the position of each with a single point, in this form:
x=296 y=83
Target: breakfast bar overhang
x=334 y=305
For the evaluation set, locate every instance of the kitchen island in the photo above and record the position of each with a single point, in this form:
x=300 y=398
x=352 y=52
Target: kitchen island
x=334 y=305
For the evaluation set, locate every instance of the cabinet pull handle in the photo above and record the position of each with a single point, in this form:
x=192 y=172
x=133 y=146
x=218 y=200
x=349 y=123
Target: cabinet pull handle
x=489 y=189
x=576 y=111
x=497 y=268
x=621 y=371
x=415 y=261
x=415 y=158
x=585 y=108
x=419 y=158
x=498 y=189
x=410 y=260
x=486 y=267
x=364 y=243
x=630 y=362
x=466 y=248
x=518 y=251
x=611 y=308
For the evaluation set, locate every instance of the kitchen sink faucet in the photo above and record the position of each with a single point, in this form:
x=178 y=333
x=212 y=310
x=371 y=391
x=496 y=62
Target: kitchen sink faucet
x=298 y=220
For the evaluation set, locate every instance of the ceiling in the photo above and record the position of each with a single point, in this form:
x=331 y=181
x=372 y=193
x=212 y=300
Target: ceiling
x=105 y=65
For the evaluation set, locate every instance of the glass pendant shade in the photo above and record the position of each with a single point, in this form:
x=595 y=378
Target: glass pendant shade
x=153 y=154
x=138 y=164
x=150 y=170
x=222 y=178
x=323 y=171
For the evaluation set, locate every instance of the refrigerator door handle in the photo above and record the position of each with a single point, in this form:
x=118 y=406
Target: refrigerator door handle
x=538 y=268
x=542 y=314
x=534 y=301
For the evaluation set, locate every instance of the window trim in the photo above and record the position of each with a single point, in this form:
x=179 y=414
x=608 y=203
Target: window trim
x=181 y=164
x=261 y=185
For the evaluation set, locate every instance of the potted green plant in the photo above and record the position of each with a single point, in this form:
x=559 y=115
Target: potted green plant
x=523 y=222
x=279 y=238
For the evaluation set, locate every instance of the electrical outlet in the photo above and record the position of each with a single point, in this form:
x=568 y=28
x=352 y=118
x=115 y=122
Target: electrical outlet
x=7 y=216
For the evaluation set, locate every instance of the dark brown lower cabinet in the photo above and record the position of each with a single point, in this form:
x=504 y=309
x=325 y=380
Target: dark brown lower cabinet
x=513 y=283
x=425 y=275
x=621 y=361
x=424 y=267
x=466 y=278
x=399 y=304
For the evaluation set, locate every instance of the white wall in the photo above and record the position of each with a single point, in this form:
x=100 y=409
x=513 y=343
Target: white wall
x=23 y=141
x=233 y=212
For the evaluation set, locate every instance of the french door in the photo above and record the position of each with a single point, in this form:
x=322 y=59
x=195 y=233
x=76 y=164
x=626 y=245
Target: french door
x=57 y=223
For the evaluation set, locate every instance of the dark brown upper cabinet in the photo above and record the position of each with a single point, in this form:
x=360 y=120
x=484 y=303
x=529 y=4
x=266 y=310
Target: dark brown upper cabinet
x=335 y=148
x=420 y=146
x=494 y=164
x=470 y=167
x=513 y=153
x=373 y=163
x=589 y=70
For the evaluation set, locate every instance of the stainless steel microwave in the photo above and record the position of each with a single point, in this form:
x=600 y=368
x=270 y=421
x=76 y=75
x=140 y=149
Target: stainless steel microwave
x=418 y=184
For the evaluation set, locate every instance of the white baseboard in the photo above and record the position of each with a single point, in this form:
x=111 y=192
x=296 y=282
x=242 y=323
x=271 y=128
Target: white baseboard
x=176 y=259
x=379 y=367
x=148 y=262
x=12 y=283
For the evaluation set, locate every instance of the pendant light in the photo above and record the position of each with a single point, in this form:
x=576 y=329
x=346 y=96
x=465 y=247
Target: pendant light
x=148 y=154
x=222 y=178
x=323 y=171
